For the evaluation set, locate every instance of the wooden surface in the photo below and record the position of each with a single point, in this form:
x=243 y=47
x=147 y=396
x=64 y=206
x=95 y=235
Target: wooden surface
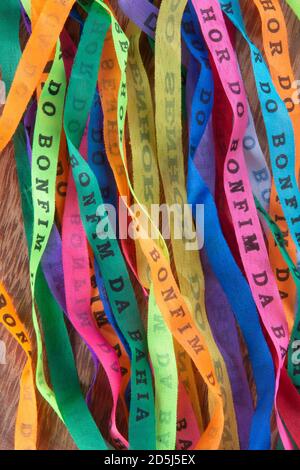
x=14 y=270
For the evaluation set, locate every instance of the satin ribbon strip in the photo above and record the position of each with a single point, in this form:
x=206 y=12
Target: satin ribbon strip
x=293 y=366
x=166 y=283
x=46 y=144
x=98 y=162
x=26 y=421
x=266 y=89
x=78 y=290
x=107 y=252
x=151 y=180
x=170 y=158
x=65 y=382
x=97 y=142
x=258 y=169
x=237 y=188
x=30 y=68
x=294 y=4
x=68 y=52
x=259 y=438
x=147 y=187
x=71 y=404
x=110 y=145
x=277 y=53
x=188 y=379
x=228 y=267
x=224 y=331
x=44 y=163
x=96 y=305
x=110 y=141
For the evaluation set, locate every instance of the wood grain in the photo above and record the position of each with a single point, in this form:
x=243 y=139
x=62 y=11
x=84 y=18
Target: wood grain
x=14 y=267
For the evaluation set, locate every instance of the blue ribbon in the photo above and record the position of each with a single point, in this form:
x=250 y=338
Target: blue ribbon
x=227 y=272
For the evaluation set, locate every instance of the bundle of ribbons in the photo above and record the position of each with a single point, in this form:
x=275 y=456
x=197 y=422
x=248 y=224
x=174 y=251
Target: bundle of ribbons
x=157 y=228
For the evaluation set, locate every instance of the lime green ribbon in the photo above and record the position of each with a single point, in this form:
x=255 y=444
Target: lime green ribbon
x=107 y=252
x=295 y=6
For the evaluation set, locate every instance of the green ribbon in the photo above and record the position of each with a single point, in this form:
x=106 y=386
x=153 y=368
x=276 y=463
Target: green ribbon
x=295 y=6
x=45 y=150
x=294 y=344
x=63 y=373
x=107 y=252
